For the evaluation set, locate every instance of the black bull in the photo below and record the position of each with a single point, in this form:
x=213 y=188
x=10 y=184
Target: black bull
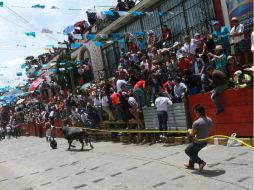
x=73 y=133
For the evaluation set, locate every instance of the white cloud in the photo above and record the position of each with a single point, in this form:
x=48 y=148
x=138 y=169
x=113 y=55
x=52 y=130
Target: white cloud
x=8 y=71
x=13 y=27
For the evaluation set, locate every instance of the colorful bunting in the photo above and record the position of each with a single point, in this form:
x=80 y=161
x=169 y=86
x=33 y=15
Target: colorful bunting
x=137 y=13
x=33 y=34
x=75 y=45
x=98 y=44
x=91 y=36
x=38 y=6
x=23 y=66
x=19 y=74
x=110 y=13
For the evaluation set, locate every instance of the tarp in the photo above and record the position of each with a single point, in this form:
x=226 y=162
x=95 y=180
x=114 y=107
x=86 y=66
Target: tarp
x=35 y=84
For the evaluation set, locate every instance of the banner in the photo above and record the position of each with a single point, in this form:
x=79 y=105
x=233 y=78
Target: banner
x=243 y=10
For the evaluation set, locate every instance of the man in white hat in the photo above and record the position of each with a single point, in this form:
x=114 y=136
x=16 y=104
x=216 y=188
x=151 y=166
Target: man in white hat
x=238 y=41
x=221 y=36
x=219 y=59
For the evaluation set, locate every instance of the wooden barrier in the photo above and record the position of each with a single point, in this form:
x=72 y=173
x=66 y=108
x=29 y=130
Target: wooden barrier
x=237 y=117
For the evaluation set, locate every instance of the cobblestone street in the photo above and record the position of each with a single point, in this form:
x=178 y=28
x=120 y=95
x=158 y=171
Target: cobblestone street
x=29 y=163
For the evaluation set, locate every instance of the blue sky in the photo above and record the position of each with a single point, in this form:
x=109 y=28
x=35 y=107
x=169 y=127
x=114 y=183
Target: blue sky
x=13 y=28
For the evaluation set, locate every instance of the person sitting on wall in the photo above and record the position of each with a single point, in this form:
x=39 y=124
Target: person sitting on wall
x=220 y=83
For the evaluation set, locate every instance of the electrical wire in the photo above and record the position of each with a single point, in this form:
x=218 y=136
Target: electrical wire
x=25 y=21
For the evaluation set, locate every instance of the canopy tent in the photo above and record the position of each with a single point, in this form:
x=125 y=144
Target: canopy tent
x=35 y=84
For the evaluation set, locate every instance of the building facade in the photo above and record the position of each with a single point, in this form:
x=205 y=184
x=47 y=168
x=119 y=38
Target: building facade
x=181 y=16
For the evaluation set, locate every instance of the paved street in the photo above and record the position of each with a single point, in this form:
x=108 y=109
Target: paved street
x=29 y=163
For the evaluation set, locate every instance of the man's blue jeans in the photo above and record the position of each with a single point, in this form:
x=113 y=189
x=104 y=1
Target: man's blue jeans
x=192 y=151
x=217 y=91
x=140 y=97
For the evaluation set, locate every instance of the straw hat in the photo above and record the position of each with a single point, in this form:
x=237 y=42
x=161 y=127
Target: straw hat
x=234 y=19
x=218 y=47
x=230 y=57
x=176 y=44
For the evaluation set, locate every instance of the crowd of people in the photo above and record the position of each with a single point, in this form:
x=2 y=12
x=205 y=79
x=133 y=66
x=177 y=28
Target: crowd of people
x=125 y=5
x=152 y=68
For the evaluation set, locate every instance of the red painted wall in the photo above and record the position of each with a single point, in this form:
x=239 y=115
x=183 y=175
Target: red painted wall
x=237 y=117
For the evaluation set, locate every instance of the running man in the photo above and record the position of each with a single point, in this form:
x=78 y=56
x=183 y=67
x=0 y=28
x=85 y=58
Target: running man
x=200 y=129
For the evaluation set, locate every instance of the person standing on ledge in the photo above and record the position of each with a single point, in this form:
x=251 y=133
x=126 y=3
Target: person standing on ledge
x=200 y=129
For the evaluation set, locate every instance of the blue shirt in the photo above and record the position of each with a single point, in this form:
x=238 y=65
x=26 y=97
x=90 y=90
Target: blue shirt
x=224 y=33
x=141 y=45
x=220 y=63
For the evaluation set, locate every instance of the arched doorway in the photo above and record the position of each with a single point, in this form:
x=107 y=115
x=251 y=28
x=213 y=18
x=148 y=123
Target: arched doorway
x=85 y=68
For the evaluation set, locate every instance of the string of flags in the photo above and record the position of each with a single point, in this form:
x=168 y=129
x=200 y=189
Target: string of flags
x=33 y=34
x=107 y=12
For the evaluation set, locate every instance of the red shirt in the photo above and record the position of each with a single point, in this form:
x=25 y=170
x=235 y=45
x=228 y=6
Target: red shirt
x=115 y=98
x=183 y=65
x=140 y=84
x=167 y=85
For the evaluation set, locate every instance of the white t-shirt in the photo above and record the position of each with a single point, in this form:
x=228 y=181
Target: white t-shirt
x=104 y=101
x=132 y=102
x=119 y=83
x=238 y=29
x=162 y=103
x=190 y=48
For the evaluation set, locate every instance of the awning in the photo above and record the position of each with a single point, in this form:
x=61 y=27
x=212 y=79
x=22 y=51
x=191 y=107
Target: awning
x=35 y=84
x=20 y=101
